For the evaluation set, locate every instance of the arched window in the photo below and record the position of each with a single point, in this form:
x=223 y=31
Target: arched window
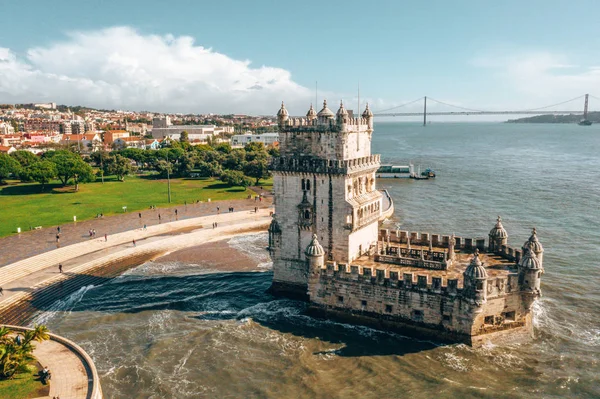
x=303 y=185
x=308 y=184
x=307 y=214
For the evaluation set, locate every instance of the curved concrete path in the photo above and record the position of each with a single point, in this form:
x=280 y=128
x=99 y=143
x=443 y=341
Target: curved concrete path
x=74 y=374
x=69 y=377
x=24 y=276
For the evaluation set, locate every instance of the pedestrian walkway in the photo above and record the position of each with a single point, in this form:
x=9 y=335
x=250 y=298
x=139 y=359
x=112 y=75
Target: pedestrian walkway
x=20 y=276
x=69 y=375
x=31 y=243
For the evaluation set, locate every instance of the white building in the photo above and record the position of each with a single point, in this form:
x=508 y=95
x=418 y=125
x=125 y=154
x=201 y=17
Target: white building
x=240 y=140
x=162 y=128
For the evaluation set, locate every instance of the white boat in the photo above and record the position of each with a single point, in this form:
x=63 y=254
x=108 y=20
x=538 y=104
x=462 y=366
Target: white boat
x=395 y=171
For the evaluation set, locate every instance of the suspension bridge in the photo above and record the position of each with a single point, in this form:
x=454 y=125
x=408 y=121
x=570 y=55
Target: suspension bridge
x=463 y=111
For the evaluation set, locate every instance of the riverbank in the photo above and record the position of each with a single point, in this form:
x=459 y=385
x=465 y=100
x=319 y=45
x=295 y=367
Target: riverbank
x=34 y=284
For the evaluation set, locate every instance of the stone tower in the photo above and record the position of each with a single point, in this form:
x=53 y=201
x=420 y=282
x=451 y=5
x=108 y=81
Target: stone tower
x=324 y=189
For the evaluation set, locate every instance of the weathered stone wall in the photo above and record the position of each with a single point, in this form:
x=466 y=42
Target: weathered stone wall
x=416 y=301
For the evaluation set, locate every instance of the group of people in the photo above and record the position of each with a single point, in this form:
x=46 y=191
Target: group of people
x=92 y=233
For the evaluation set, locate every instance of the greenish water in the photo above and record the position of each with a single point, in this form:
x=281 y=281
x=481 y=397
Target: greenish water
x=174 y=330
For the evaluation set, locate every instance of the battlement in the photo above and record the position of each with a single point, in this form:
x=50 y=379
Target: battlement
x=310 y=164
x=302 y=124
x=414 y=281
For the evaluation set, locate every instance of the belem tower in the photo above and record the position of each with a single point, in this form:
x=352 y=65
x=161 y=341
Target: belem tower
x=328 y=249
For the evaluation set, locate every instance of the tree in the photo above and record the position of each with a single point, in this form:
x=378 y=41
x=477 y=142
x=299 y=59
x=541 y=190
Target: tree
x=8 y=166
x=70 y=166
x=235 y=160
x=209 y=169
x=15 y=354
x=119 y=166
x=258 y=169
x=235 y=178
x=42 y=172
x=184 y=137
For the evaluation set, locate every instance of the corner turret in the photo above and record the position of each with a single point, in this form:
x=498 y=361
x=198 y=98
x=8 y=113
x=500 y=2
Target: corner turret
x=342 y=115
x=534 y=245
x=368 y=115
x=325 y=115
x=315 y=254
x=282 y=115
x=311 y=114
x=475 y=280
x=498 y=236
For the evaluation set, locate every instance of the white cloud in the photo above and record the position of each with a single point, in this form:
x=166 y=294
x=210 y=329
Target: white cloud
x=542 y=78
x=120 y=68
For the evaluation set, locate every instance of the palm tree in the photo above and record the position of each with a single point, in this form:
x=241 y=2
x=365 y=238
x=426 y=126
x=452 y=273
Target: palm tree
x=14 y=357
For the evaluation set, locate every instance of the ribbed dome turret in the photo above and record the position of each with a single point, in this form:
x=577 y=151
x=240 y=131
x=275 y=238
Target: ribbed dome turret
x=282 y=111
x=367 y=112
x=314 y=248
x=530 y=260
x=342 y=110
x=498 y=231
x=475 y=270
x=533 y=243
x=325 y=112
x=274 y=227
x=311 y=114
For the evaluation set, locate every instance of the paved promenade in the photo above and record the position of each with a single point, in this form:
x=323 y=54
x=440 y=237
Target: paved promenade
x=69 y=375
x=23 y=277
x=35 y=242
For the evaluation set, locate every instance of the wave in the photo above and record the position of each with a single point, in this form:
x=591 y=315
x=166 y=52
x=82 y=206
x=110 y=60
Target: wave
x=62 y=305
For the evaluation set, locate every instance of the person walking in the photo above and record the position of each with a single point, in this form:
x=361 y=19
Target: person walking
x=140 y=215
x=218 y=210
x=105 y=237
x=134 y=242
x=145 y=227
x=58 y=238
x=60 y=267
x=175 y=212
x=159 y=218
x=58 y=229
x=1 y=291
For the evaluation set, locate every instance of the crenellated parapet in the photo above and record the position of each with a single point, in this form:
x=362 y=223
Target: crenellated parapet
x=310 y=164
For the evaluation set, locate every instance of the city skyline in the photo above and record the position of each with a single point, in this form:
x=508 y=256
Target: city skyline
x=245 y=58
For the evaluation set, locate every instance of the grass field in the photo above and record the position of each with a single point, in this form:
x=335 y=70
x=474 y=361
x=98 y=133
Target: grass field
x=23 y=386
x=24 y=205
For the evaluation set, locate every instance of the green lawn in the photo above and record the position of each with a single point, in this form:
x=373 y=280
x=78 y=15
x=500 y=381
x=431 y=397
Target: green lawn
x=23 y=386
x=24 y=205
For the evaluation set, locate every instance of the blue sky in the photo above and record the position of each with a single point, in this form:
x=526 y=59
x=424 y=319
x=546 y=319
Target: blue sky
x=483 y=54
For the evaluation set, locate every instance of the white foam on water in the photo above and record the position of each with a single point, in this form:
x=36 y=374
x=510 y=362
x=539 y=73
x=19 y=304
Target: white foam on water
x=62 y=305
x=253 y=245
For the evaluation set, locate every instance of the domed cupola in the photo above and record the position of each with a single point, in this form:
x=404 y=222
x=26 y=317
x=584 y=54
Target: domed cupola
x=325 y=113
x=498 y=236
x=530 y=260
x=311 y=114
x=367 y=113
x=342 y=114
x=282 y=115
x=475 y=270
x=498 y=231
x=282 y=111
x=475 y=281
x=533 y=243
x=315 y=254
x=342 y=110
x=314 y=248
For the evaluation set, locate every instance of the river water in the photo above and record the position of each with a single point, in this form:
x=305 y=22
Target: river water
x=172 y=329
